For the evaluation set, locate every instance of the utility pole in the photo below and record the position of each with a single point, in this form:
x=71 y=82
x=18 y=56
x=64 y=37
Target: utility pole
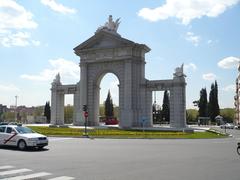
x=16 y=97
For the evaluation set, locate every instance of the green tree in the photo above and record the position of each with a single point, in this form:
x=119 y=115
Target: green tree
x=203 y=104
x=228 y=114
x=166 y=107
x=68 y=114
x=213 y=107
x=9 y=116
x=47 y=111
x=116 y=111
x=192 y=115
x=101 y=110
x=109 y=106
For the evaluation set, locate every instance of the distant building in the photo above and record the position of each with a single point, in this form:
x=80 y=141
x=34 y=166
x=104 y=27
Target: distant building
x=25 y=114
x=237 y=98
x=36 y=119
x=3 y=109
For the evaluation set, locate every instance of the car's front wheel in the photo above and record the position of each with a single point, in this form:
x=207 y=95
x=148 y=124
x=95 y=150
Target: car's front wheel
x=22 y=145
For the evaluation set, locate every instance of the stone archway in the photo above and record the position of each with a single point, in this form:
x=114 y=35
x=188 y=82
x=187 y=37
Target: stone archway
x=105 y=52
x=109 y=52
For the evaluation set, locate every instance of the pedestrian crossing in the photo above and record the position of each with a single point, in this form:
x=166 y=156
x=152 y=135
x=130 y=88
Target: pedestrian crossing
x=9 y=172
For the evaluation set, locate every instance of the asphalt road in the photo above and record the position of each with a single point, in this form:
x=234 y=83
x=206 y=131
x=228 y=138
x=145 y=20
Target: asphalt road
x=143 y=159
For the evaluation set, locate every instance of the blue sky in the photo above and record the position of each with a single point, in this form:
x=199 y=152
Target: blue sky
x=37 y=40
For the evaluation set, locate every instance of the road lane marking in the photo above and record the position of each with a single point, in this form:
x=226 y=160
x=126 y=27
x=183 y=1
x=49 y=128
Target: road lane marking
x=29 y=176
x=62 y=178
x=3 y=173
x=60 y=139
x=6 y=167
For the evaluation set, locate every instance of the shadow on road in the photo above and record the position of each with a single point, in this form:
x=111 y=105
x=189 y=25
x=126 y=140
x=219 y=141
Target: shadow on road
x=11 y=148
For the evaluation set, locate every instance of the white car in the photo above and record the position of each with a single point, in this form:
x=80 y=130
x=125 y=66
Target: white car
x=22 y=137
x=227 y=126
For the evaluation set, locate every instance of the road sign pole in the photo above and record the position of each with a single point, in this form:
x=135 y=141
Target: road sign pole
x=85 y=110
x=85 y=131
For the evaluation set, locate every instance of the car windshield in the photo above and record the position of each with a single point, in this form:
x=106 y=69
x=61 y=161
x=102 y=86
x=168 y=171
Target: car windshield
x=24 y=130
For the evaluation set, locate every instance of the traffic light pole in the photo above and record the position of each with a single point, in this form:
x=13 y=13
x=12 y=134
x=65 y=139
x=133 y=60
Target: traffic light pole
x=85 y=110
x=85 y=130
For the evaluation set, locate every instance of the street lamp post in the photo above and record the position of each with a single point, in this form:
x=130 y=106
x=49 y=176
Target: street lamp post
x=16 y=97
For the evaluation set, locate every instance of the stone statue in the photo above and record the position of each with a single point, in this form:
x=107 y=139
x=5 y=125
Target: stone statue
x=179 y=72
x=110 y=25
x=57 y=79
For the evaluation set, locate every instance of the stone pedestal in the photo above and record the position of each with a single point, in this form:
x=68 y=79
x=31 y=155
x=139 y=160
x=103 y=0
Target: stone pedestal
x=178 y=103
x=57 y=107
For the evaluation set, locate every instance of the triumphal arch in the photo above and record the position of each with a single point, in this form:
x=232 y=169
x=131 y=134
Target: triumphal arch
x=107 y=52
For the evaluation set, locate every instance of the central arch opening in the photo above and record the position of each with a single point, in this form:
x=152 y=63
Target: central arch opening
x=68 y=109
x=109 y=99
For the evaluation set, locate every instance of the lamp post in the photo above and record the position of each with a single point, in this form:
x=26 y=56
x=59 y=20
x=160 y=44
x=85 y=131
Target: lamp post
x=16 y=97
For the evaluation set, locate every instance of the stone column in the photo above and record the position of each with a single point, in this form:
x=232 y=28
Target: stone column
x=178 y=103
x=148 y=106
x=57 y=106
x=127 y=113
x=77 y=107
x=95 y=112
x=83 y=92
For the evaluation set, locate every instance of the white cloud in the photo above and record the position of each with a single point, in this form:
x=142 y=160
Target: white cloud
x=13 y=19
x=58 y=7
x=8 y=87
x=9 y=39
x=68 y=71
x=191 y=37
x=187 y=10
x=209 y=41
x=230 y=87
x=229 y=62
x=209 y=76
x=14 y=16
x=190 y=66
x=35 y=43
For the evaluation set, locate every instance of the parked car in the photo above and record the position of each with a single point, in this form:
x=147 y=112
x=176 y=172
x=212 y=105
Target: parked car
x=227 y=126
x=111 y=121
x=21 y=137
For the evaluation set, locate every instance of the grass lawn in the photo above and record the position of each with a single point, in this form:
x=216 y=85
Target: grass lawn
x=119 y=133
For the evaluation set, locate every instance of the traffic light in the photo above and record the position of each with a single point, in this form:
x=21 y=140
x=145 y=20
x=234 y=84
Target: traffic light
x=85 y=108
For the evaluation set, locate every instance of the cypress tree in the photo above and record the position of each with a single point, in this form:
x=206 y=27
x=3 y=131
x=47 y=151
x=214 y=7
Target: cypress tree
x=217 y=109
x=47 y=111
x=109 y=106
x=203 y=104
x=213 y=102
x=166 y=107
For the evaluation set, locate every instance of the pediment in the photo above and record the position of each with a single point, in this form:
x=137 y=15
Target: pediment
x=102 y=40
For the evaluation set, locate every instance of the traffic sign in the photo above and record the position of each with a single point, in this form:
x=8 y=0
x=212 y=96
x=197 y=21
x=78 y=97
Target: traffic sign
x=85 y=108
x=143 y=119
x=85 y=114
